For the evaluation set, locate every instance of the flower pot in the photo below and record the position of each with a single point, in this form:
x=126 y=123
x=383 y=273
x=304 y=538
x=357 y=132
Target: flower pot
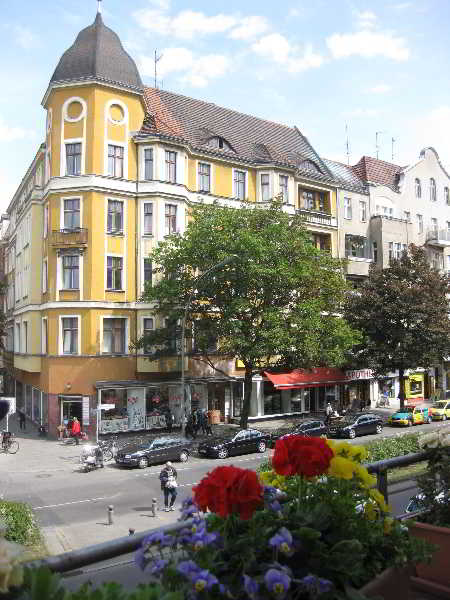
x=392 y=584
x=436 y=575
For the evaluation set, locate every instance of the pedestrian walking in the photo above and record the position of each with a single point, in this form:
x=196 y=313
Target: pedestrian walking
x=22 y=423
x=76 y=430
x=361 y=405
x=168 y=479
x=328 y=413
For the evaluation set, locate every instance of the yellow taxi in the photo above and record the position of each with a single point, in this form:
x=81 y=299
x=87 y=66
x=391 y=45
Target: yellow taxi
x=440 y=410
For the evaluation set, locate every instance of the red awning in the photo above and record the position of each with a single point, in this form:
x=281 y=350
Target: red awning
x=299 y=378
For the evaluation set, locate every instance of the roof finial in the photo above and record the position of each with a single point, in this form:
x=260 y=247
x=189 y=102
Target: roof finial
x=99 y=7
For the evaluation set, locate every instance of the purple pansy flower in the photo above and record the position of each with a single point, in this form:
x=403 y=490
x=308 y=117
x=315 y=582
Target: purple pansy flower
x=203 y=538
x=251 y=587
x=277 y=582
x=158 y=565
x=188 y=508
x=203 y=580
x=283 y=541
x=159 y=537
x=275 y=506
x=140 y=558
x=316 y=585
x=188 y=568
x=198 y=525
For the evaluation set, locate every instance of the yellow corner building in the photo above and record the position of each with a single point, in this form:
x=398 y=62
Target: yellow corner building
x=120 y=164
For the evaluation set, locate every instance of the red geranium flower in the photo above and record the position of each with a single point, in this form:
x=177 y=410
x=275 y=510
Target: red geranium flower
x=301 y=455
x=229 y=489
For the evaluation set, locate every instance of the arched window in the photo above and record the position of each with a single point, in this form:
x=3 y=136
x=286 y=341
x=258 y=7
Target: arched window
x=446 y=195
x=432 y=190
x=418 y=188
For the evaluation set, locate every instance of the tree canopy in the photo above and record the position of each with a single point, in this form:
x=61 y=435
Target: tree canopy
x=403 y=313
x=276 y=305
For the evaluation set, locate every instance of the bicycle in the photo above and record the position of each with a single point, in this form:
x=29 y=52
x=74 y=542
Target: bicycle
x=9 y=444
x=109 y=448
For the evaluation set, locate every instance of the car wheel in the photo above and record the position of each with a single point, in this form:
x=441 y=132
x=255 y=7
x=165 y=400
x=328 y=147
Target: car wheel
x=262 y=447
x=409 y=423
x=379 y=429
x=352 y=434
x=444 y=418
x=223 y=453
x=184 y=456
x=143 y=463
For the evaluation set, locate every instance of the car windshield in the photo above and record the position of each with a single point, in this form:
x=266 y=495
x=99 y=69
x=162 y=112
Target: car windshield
x=349 y=419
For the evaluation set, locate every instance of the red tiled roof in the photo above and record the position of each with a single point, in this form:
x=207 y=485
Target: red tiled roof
x=377 y=171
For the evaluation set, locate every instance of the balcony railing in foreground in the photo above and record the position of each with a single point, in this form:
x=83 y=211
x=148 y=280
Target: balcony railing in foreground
x=69 y=561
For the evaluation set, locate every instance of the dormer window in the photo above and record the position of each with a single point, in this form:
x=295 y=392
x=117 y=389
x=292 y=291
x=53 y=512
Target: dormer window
x=219 y=143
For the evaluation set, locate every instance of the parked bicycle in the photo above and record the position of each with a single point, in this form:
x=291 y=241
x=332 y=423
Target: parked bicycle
x=109 y=448
x=382 y=401
x=9 y=444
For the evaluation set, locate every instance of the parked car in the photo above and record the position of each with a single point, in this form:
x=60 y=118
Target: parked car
x=308 y=427
x=352 y=425
x=411 y=415
x=156 y=451
x=416 y=502
x=242 y=442
x=440 y=410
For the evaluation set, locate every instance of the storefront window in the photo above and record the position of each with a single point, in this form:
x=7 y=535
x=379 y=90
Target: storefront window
x=272 y=399
x=388 y=385
x=28 y=401
x=238 y=396
x=119 y=399
x=20 y=395
x=71 y=407
x=307 y=399
x=415 y=386
x=36 y=406
x=296 y=401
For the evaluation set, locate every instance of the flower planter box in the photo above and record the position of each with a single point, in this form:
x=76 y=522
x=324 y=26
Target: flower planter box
x=434 y=577
x=391 y=584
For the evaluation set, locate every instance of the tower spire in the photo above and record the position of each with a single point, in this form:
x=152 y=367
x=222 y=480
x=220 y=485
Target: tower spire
x=99 y=7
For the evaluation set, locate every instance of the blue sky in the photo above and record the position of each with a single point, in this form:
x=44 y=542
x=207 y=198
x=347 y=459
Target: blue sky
x=377 y=66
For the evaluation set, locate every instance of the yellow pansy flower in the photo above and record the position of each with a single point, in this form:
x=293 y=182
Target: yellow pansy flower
x=387 y=525
x=341 y=467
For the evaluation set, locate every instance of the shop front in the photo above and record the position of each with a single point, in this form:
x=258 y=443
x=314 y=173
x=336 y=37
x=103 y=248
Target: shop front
x=358 y=391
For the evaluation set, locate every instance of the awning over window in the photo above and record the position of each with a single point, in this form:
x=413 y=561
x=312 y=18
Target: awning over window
x=299 y=378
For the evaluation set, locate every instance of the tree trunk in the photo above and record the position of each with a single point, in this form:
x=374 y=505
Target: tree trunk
x=248 y=383
x=401 y=395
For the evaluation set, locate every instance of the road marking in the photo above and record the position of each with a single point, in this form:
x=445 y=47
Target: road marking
x=68 y=503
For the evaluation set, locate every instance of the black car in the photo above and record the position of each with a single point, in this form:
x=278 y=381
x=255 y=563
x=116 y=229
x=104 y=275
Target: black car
x=242 y=442
x=308 y=427
x=352 y=425
x=158 y=450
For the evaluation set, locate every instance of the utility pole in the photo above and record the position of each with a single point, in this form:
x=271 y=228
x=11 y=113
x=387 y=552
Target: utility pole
x=157 y=59
x=377 y=148
x=347 y=145
x=99 y=6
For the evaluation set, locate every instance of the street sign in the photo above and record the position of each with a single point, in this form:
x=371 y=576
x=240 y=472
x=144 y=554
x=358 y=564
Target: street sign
x=107 y=406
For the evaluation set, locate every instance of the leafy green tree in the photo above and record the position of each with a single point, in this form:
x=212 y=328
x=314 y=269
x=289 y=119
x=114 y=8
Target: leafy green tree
x=403 y=313
x=275 y=306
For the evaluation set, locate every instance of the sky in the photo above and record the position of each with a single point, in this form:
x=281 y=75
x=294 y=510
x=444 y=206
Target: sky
x=330 y=67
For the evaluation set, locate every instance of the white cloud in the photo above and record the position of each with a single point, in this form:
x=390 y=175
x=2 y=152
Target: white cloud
x=295 y=12
x=250 y=27
x=11 y=134
x=381 y=88
x=277 y=48
x=362 y=112
x=24 y=37
x=366 y=19
x=196 y=70
x=368 y=44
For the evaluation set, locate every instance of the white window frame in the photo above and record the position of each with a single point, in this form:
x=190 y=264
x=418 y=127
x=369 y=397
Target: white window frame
x=433 y=189
x=348 y=208
x=154 y=153
x=142 y=330
x=61 y=213
x=44 y=335
x=125 y=123
x=61 y=338
x=144 y=258
x=447 y=195
x=124 y=159
x=127 y=333
x=46 y=223
x=434 y=225
x=25 y=332
x=363 y=211
x=170 y=151
x=114 y=231
x=260 y=194
x=110 y=254
x=234 y=169
x=64 y=158
x=177 y=227
x=144 y=233
x=280 y=175
x=197 y=178
x=77 y=254
x=65 y=118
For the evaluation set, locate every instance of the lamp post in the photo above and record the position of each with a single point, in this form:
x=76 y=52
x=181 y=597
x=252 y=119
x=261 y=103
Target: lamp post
x=215 y=267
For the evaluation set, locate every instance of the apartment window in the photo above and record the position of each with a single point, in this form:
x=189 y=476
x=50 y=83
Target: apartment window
x=418 y=188
x=17 y=340
x=73 y=159
x=171 y=166
x=71 y=272
x=148 y=218
x=204 y=177
x=71 y=213
x=114 y=336
x=114 y=272
x=375 y=251
x=308 y=200
x=446 y=195
x=44 y=275
x=356 y=246
x=170 y=219
x=434 y=225
x=148 y=271
x=448 y=226
x=147 y=330
x=70 y=335
x=432 y=190
x=44 y=339
x=284 y=187
x=347 y=208
x=115 y=216
x=265 y=187
x=148 y=163
x=45 y=220
x=25 y=337
x=407 y=216
x=115 y=160
x=420 y=223
x=239 y=184
x=362 y=210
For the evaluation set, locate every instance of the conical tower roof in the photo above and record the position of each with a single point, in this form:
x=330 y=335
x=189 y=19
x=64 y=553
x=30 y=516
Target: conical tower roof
x=97 y=54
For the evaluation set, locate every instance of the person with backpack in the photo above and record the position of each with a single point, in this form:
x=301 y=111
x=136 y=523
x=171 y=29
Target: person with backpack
x=168 y=479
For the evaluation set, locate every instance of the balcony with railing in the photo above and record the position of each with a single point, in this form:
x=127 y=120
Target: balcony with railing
x=317 y=218
x=438 y=237
x=69 y=238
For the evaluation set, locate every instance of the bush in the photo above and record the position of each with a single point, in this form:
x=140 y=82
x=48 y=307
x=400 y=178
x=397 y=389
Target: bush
x=392 y=447
x=265 y=465
x=20 y=524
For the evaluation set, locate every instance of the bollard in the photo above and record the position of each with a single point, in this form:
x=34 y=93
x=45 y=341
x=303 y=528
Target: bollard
x=154 y=507
x=131 y=531
x=110 y=514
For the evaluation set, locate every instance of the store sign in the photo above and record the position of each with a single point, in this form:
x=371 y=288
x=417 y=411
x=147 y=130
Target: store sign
x=85 y=412
x=107 y=406
x=360 y=374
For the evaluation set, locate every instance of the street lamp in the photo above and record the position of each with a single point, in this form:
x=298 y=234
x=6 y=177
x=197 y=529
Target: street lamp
x=215 y=267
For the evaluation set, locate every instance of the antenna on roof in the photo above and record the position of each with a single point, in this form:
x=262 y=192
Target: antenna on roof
x=99 y=6
x=392 y=146
x=347 y=145
x=157 y=59
x=377 y=147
